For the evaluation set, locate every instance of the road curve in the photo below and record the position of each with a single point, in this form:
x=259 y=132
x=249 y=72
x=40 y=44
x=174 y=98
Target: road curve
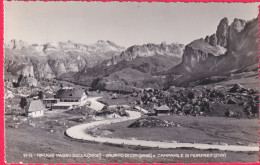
x=94 y=104
x=78 y=132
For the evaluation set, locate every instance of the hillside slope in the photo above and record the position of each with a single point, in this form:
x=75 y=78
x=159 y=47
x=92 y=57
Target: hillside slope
x=147 y=59
x=127 y=80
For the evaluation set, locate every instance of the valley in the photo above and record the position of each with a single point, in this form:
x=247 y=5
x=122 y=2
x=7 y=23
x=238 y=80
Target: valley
x=214 y=128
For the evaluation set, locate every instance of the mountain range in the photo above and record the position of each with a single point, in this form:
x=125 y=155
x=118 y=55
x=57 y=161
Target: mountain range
x=51 y=60
x=108 y=66
x=139 y=60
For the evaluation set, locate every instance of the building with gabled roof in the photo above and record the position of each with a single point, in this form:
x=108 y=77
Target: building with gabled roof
x=162 y=110
x=70 y=95
x=35 y=108
x=69 y=98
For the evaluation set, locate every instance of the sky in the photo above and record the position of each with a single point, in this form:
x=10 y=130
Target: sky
x=125 y=23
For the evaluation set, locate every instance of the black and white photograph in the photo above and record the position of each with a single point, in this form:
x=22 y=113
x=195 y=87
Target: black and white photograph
x=131 y=82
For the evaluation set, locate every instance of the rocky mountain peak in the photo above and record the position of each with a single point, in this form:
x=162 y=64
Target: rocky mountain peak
x=163 y=44
x=212 y=40
x=70 y=41
x=103 y=42
x=222 y=32
x=234 y=30
x=111 y=43
x=238 y=25
x=108 y=44
x=15 y=44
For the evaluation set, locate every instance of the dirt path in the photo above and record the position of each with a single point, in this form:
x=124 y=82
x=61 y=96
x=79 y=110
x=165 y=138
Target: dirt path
x=78 y=132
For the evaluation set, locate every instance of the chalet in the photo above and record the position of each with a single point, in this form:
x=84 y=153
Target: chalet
x=70 y=95
x=35 y=109
x=69 y=98
x=162 y=110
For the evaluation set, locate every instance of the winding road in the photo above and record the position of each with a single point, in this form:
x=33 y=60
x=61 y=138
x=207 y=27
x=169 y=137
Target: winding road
x=94 y=104
x=79 y=132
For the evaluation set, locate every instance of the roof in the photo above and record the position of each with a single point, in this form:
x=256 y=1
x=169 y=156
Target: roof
x=47 y=95
x=73 y=93
x=66 y=103
x=163 y=108
x=115 y=106
x=35 y=105
x=45 y=99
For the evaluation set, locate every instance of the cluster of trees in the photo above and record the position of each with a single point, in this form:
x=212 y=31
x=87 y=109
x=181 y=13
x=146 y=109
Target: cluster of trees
x=23 y=102
x=17 y=84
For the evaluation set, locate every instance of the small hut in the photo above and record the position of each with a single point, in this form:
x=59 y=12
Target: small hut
x=162 y=110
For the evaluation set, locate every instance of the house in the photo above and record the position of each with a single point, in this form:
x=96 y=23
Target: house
x=35 y=109
x=162 y=110
x=71 y=95
x=69 y=98
x=48 y=102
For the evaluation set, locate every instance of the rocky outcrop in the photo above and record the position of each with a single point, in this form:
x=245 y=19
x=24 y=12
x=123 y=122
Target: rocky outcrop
x=149 y=122
x=198 y=56
x=213 y=40
x=243 y=46
x=148 y=50
x=233 y=32
x=222 y=32
x=206 y=58
x=29 y=81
